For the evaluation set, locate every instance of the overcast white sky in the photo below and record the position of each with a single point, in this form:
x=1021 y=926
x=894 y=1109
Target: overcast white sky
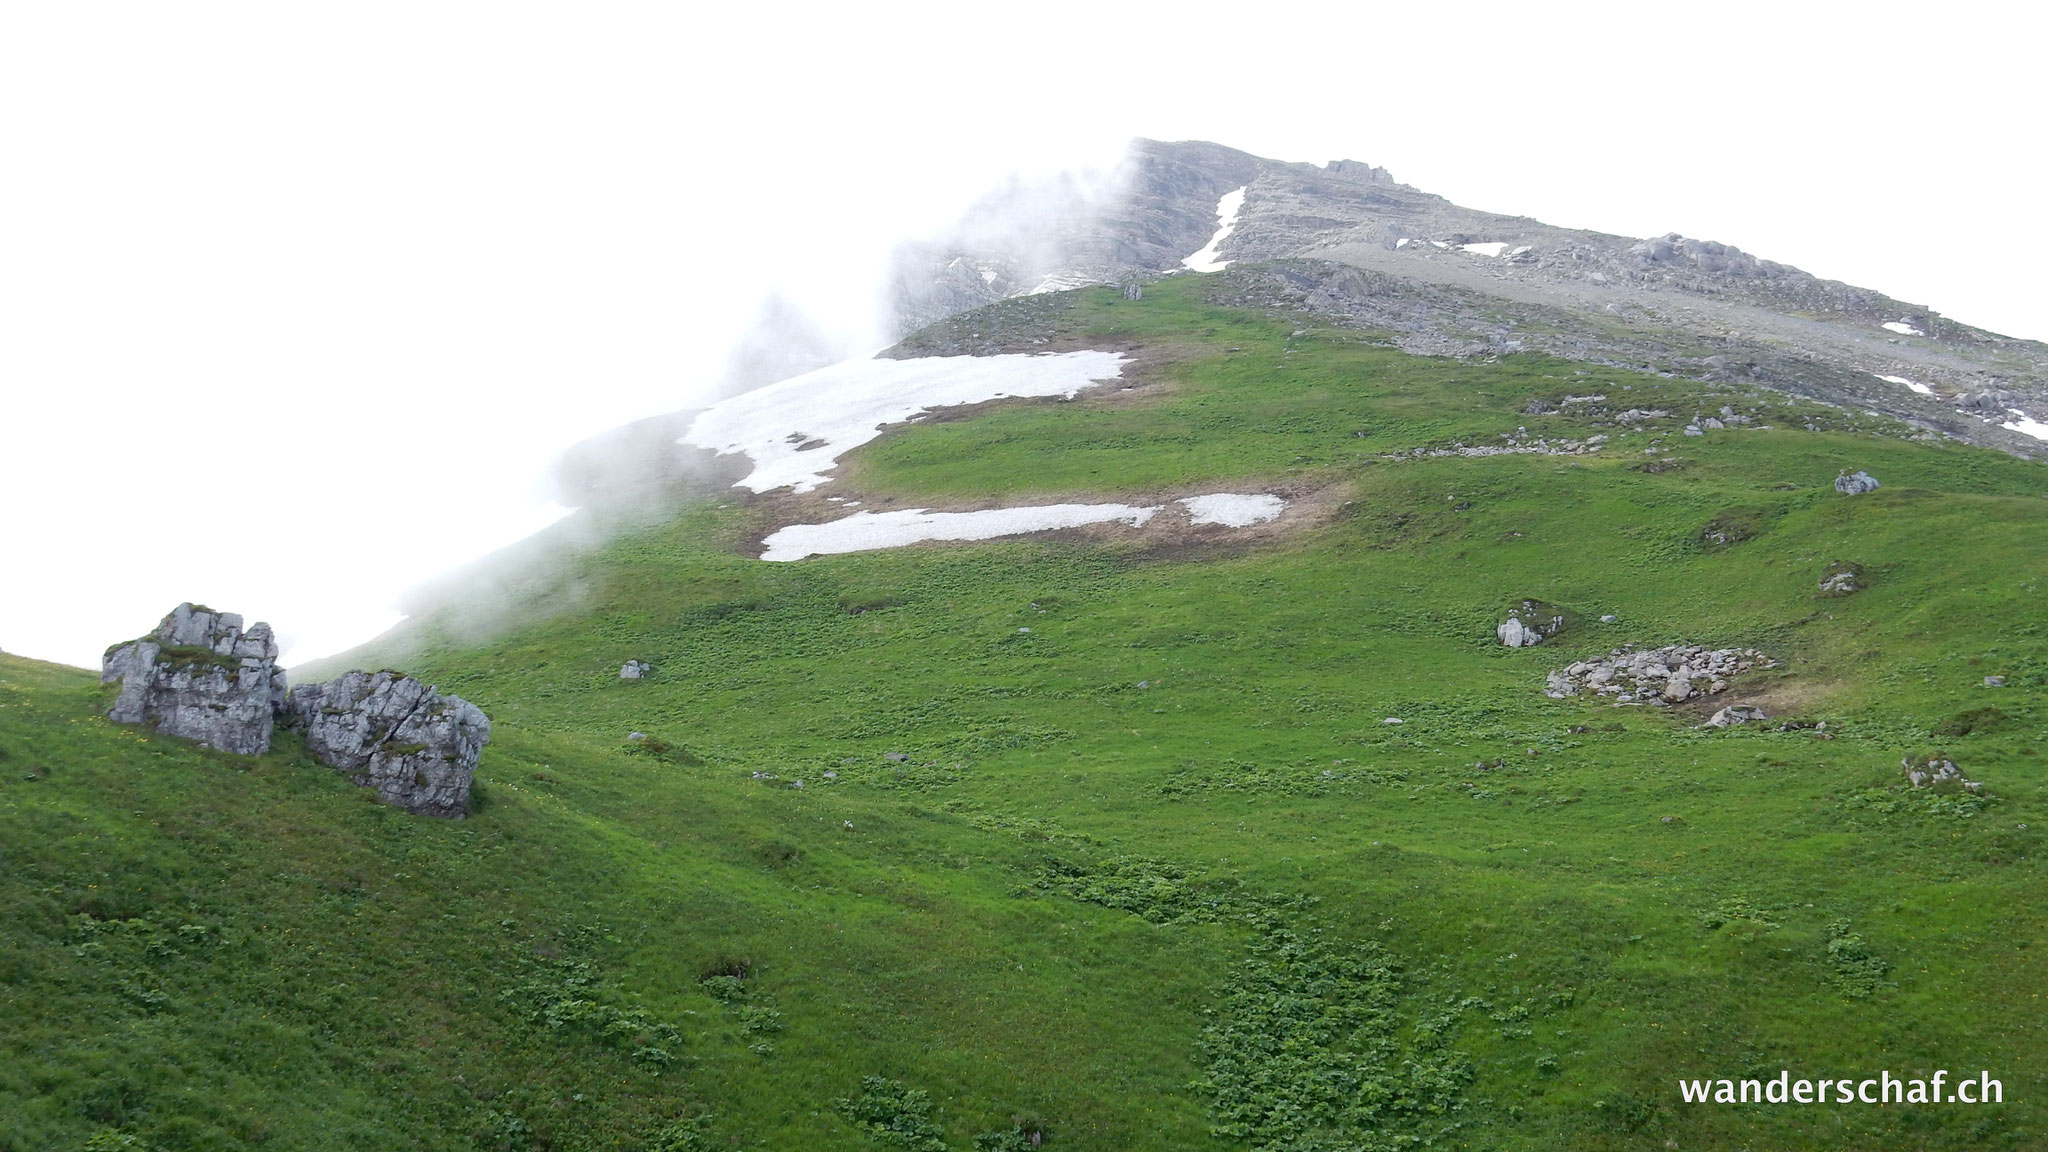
x=297 y=302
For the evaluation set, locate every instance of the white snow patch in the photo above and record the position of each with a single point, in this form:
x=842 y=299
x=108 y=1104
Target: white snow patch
x=1058 y=282
x=866 y=531
x=1232 y=510
x=1226 y=221
x=838 y=408
x=1439 y=244
x=1403 y=242
x=1902 y=328
x=1520 y=250
x=1922 y=389
x=2026 y=425
x=1490 y=248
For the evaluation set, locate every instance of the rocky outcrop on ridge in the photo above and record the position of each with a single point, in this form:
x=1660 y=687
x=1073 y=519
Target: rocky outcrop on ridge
x=390 y=732
x=1657 y=676
x=200 y=676
x=1449 y=280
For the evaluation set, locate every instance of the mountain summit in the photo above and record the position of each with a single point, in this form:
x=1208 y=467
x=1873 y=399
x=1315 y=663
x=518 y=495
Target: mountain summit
x=1350 y=244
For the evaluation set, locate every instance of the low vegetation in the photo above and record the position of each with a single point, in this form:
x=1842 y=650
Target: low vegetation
x=884 y=871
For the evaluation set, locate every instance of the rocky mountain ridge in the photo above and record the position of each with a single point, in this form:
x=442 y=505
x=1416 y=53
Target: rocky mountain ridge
x=1364 y=250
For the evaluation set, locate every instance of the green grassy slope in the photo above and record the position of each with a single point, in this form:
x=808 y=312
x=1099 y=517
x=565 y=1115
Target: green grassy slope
x=1230 y=907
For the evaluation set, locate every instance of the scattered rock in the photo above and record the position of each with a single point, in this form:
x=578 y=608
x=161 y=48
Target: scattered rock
x=1658 y=676
x=417 y=748
x=1531 y=622
x=1841 y=578
x=896 y=757
x=1936 y=770
x=1994 y=681
x=1608 y=619
x=1735 y=714
x=634 y=669
x=636 y=735
x=1855 y=483
x=201 y=677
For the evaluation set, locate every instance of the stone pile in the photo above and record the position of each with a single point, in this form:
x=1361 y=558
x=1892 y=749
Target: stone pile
x=1657 y=676
x=200 y=676
x=389 y=732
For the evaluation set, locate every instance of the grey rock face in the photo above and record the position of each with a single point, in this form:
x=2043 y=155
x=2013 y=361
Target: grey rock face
x=1994 y=681
x=417 y=748
x=1855 y=483
x=634 y=669
x=200 y=676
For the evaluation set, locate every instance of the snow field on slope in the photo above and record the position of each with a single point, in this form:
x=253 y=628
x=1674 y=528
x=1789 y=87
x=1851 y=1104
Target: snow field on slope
x=2026 y=425
x=1922 y=389
x=795 y=431
x=1226 y=219
x=868 y=531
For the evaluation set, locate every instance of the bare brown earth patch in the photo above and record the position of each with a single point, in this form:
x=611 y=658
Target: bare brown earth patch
x=1170 y=533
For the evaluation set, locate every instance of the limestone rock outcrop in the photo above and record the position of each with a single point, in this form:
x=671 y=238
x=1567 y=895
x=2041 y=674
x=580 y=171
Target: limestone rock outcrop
x=1855 y=483
x=634 y=669
x=200 y=676
x=390 y=732
x=1658 y=676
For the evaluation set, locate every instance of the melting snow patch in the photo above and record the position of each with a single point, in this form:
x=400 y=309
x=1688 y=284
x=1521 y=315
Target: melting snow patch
x=1226 y=219
x=1490 y=248
x=2026 y=425
x=1232 y=510
x=1403 y=242
x=795 y=431
x=1922 y=389
x=1902 y=328
x=866 y=531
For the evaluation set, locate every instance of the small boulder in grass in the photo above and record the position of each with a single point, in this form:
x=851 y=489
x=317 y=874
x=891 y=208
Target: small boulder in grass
x=1735 y=714
x=1937 y=771
x=1841 y=578
x=1855 y=483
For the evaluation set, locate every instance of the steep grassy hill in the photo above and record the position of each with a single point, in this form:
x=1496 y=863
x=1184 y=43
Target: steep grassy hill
x=1110 y=841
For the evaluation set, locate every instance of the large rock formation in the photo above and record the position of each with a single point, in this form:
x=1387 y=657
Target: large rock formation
x=390 y=732
x=200 y=676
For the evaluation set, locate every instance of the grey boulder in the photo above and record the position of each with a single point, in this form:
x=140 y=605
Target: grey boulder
x=389 y=732
x=200 y=676
x=1855 y=483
